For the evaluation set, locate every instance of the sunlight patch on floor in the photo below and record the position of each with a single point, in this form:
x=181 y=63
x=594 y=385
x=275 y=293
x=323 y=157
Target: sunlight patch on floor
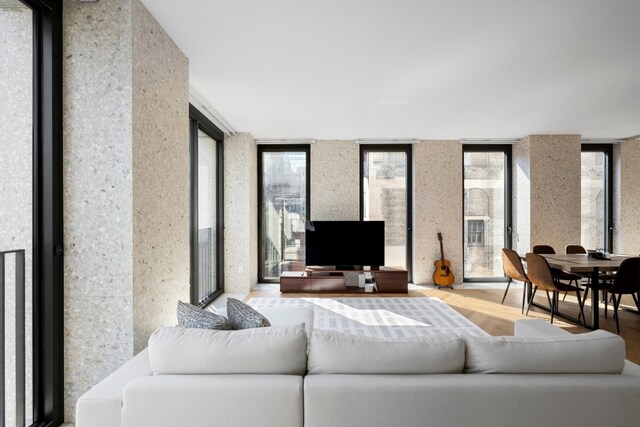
x=366 y=317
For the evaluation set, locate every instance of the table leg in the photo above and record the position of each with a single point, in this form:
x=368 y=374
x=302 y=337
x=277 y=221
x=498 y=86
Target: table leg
x=595 y=304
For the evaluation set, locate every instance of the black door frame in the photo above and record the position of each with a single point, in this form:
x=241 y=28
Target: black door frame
x=48 y=238
x=397 y=148
x=279 y=148
x=198 y=121
x=508 y=194
x=607 y=150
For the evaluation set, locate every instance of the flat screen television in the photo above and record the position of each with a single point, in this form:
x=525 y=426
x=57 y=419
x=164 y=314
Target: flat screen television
x=344 y=244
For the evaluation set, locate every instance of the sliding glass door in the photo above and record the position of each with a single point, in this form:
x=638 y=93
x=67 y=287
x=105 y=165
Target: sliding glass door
x=206 y=209
x=487 y=210
x=385 y=194
x=596 y=196
x=283 y=191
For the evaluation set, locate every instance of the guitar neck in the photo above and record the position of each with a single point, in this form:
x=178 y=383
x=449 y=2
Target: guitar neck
x=441 y=251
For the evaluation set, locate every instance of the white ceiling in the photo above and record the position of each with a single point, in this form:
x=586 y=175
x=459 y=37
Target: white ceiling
x=346 y=69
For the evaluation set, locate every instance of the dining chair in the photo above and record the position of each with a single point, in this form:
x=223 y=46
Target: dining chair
x=513 y=269
x=556 y=272
x=574 y=249
x=627 y=281
x=539 y=273
x=602 y=277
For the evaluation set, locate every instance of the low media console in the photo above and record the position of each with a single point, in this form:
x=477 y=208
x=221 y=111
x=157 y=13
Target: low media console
x=323 y=279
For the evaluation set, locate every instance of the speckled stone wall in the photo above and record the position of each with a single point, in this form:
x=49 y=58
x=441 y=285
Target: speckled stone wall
x=125 y=186
x=240 y=213
x=554 y=190
x=160 y=176
x=16 y=154
x=626 y=197
x=437 y=207
x=335 y=181
x=98 y=214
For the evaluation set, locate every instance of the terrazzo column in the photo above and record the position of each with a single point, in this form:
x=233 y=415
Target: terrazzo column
x=547 y=184
x=626 y=197
x=335 y=181
x=126 y=186
x=240 y=213
x=437 y=207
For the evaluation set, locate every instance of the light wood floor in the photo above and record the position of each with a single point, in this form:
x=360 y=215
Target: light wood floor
x=482 y=307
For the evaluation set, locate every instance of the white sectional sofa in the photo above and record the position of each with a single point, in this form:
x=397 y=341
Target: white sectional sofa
x=542 y=376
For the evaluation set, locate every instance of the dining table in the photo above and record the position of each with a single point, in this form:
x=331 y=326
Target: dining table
x=583 y=263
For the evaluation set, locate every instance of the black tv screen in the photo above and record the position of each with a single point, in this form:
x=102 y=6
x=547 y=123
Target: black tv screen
x=344 y=244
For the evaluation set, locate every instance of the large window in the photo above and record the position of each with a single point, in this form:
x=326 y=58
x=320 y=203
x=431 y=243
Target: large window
x=206 y=209
x=487 y=212
x=31 y=244
x=596 y=196
x=385 y=176
x=283 y=208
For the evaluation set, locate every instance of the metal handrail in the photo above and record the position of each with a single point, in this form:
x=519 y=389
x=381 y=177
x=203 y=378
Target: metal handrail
x=20 y=336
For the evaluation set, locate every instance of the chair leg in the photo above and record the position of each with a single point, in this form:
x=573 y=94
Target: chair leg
x=533 y=294
x=635 y=299
x=616 y=303
x=524 y=292
x=506 y=290
x=581 y=304
x=551 y=304
x=606 y=303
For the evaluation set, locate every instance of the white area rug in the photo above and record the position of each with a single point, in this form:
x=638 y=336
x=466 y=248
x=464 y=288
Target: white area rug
x=381 y=317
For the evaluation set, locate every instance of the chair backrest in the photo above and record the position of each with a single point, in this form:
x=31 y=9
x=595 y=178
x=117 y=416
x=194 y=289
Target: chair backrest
x=543 y=249
x=627 y=279
x=512 y=265
x=539 y=273
x=574 y=249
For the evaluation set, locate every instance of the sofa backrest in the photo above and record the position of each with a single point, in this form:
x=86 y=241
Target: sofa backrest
x=273 y=350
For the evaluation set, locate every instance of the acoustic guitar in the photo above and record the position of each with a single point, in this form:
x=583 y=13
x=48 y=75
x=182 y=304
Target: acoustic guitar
x=442 y=274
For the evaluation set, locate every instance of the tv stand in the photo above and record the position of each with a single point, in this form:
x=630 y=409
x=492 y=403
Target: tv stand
x=331 y=280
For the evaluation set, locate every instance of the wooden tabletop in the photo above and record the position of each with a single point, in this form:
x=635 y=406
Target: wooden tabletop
x=581 y=263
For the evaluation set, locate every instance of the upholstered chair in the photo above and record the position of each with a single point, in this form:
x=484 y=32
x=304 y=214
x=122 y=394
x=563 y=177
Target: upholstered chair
x=514 y=270
x=539 y=273
x=627 y=281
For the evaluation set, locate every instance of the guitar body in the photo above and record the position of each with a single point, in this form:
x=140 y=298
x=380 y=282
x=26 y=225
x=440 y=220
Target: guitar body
x=442 y=274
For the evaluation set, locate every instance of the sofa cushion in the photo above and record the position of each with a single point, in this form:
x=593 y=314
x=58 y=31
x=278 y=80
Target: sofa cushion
x=597 y=352
x=273 y=350
x=191 y=316
x=333 y=352
x=242 y=316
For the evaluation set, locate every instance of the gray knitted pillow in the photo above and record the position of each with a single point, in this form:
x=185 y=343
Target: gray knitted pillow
x=191 y=316
x=241 y=316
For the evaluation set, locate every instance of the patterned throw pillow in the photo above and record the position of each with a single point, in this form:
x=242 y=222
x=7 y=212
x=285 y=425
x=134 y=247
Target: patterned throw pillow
x=191 y=316
x=241 y=316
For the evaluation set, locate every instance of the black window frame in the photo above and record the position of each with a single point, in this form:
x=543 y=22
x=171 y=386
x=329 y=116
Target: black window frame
x=508 y=195
x=48 y=214
x=607 y=150
x=397 y=148
x=278 y=148
x=199 y=122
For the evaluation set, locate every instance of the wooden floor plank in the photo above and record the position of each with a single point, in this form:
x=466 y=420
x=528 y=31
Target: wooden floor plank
x=482 y=307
